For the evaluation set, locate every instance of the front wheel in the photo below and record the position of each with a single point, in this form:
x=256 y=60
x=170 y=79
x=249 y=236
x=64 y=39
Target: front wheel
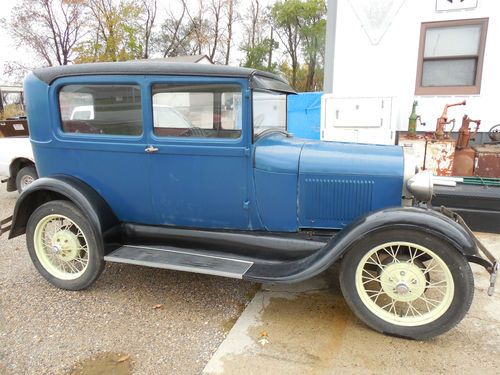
x=63 y=245
x=406 y=283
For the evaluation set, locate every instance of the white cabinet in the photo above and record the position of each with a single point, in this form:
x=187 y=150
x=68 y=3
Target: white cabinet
x=361 y=120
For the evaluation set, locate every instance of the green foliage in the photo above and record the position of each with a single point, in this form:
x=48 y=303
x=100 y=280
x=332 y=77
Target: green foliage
x=301 y=26
x=301 y=84
x=116 y=35
x=288 y=36
x=257 y=57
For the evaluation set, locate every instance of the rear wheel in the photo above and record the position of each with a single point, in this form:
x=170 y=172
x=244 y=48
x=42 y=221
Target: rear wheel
x=407 y=284
x=25 y=177
x=63 y=245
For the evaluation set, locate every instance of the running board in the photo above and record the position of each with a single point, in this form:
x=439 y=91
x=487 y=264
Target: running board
x=174 y=258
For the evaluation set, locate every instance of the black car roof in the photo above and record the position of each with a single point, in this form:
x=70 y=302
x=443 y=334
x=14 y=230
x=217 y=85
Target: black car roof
x=158 y=67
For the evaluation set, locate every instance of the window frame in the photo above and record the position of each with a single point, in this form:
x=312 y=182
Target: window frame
x=189 y=82
x=256 y=137
x=451 y=90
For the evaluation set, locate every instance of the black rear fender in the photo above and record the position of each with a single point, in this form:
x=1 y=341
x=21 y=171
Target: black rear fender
x=46 y=189
x=417 y=219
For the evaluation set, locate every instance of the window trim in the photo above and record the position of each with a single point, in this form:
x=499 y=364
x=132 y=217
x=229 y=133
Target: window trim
x=451 y=90
x=60 y=129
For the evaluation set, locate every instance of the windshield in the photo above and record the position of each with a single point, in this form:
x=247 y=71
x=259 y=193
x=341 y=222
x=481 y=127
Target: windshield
x=269 y=111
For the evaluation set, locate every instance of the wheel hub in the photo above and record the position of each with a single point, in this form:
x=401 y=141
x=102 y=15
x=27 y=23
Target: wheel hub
x=26 y=180
x=65 y=245
x=403 y=281
x=402 y=288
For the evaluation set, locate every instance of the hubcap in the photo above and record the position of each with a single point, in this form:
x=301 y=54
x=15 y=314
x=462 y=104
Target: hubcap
x=25 y=181
x=404 y=283
x=61 y=247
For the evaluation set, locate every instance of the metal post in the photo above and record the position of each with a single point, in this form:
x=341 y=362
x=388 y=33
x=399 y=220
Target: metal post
x=331 y=29
x=1 y=101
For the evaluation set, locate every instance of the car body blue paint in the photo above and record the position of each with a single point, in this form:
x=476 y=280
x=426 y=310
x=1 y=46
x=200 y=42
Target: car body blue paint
x=330 y=183
x=275 y=183
x=278 y=153
x=351 y=159
x=339 y=182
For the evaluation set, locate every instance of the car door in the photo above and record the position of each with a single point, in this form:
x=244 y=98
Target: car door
x=199 y=154
x=105 y=147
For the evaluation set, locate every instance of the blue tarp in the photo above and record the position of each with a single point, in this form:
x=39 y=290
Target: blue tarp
x=304 y=114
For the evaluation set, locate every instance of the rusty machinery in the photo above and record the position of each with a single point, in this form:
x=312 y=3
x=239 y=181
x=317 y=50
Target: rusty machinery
x=494 y=134
x=443 y=121
x=412 y=121
x=487 y=162
x=440 y=148
x=463 y=164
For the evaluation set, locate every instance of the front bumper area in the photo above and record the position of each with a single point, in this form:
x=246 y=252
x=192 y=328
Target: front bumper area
x=484 y=257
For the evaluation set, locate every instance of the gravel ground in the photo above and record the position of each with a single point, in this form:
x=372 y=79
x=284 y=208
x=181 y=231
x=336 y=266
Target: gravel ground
x=45 y=330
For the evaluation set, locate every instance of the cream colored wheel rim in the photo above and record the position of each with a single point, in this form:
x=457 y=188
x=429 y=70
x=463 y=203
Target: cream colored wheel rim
x=61 y=247
x=404 y=284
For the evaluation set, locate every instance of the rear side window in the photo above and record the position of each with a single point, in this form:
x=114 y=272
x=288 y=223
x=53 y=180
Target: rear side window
x=101 y=109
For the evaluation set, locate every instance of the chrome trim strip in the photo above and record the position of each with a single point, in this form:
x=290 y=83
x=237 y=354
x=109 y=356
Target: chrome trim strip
x=187 y=253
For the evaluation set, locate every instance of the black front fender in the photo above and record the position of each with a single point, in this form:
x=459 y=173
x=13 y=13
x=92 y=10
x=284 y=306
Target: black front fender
x=45 y=189
x=418 y=219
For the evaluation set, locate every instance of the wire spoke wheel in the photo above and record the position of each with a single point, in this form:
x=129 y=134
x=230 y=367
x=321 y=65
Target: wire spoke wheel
x=61 y=247
x=404 y=283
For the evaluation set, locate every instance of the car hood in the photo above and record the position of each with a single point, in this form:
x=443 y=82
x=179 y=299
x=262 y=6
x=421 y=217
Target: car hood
x=279 y=153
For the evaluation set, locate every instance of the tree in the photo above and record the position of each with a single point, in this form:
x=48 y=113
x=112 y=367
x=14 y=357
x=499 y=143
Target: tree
x=257 y=47
x=150 y=8
x=50 y=29
x=301 y=25
x=312 y=32
x=199 y=27
x=211 y=27
x=115 y=32
x=286 y=16
x=231 y=17
x=215 y=11
x=175 y=35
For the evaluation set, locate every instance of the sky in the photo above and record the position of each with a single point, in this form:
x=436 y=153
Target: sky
x=9 y=51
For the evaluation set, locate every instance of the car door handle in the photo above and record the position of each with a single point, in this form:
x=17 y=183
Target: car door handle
x=151 y=149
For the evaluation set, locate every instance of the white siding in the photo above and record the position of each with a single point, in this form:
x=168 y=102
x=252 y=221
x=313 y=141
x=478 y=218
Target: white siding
x=388 y=68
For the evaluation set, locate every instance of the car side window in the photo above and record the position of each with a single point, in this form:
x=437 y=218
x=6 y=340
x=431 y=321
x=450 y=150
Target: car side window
x=101 y=109
x=194 y=110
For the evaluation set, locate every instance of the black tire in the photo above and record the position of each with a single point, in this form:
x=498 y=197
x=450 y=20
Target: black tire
x=457 y=264
x=95 y=263
x=25 y=173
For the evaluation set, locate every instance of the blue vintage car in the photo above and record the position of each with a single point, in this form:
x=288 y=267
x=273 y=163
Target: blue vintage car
x=190 y=167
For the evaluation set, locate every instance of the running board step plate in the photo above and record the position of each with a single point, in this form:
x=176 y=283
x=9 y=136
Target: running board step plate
x=178 y=259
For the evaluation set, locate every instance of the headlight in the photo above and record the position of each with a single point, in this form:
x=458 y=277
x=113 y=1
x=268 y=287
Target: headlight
x=421 y=186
